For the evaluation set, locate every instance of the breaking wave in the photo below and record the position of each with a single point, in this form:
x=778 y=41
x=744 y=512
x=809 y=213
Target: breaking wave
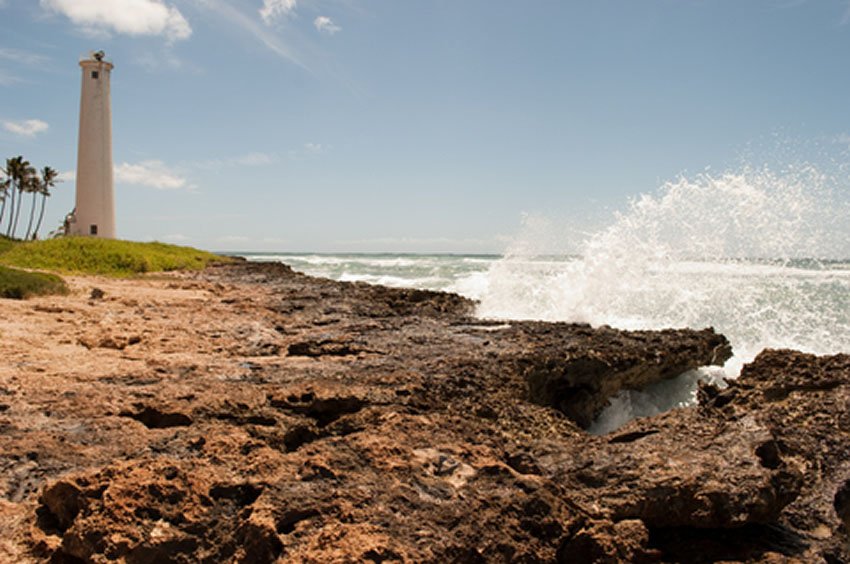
x=761 y=256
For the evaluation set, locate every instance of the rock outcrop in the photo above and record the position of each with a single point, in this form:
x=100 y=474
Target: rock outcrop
x=262 y=415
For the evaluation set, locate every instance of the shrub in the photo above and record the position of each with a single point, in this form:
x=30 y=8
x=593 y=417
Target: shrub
x=19 y=284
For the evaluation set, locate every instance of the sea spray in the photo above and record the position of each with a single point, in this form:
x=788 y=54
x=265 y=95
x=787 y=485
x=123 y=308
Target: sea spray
x=761 y=255
x=754 y=253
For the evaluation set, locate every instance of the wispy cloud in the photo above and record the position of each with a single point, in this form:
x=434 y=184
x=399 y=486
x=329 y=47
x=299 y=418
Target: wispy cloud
x=175 y=238
x=325 y=25
x=252 y=27
x=248 y=159
x=22 y=57
x=272 y=10
x=845 y=19
x=27 y=127
x=233 y=239
x=307 y=150
x=130 y=17
x=254 y=159
x=315 y=148
x=152 y=173
x=153 y=62
x=7 y=79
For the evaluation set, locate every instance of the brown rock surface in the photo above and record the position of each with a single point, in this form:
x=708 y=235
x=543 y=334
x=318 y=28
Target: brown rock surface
x=251 y=414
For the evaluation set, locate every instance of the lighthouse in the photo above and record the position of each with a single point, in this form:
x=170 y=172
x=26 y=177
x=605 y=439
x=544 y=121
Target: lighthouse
x=94 y=215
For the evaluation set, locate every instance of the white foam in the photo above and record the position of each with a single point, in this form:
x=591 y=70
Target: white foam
x=722 y=251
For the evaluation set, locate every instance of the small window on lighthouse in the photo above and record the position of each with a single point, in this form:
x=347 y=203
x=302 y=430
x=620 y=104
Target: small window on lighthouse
x=94 y=74
x=93 y=230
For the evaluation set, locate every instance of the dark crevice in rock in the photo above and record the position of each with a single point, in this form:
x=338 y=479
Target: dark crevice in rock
x=323 y=410
x=287 y=522
x=769 y=455
x=154 y=418
x=842 y=503
x=379 y=556
x=326 y=411
x=779 y=393
x=241 y=494
x=62 y=557
x=60 y=505
x=315 y=349
x=249 y=419
x=523 y=463
x=632 y=437
x=580 y=382
x=299 y=436
x=747 y=543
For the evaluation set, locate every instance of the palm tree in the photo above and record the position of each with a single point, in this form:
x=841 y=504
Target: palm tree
x=12 y=173
x=4 y=192
x=25 y=174
x=34 y=188
x=13 y=170
x=49 y=178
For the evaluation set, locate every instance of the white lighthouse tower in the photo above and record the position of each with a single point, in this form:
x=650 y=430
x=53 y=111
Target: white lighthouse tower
x=95 y=201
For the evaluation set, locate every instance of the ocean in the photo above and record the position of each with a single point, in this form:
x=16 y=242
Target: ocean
x=762 y=257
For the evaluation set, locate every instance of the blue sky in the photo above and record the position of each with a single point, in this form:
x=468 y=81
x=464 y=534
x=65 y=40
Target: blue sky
x=400 y=125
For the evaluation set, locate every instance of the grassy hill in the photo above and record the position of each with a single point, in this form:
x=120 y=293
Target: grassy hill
x=86 y=255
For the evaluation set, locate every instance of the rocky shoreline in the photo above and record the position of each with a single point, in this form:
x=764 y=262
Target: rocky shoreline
x=249 y=413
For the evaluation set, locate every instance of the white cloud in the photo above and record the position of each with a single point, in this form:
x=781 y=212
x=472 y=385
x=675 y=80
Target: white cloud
x=175 y=238
x=254 y=159
x=314 y=148
x=7 y=79
x=326 y=25
x=274 y=9
x=252 y=27
x=233 y=239
x=23 y=57
x=131 y=17
x=153 y=174
x=248 y=159
x=68 y=176
x=27 y=128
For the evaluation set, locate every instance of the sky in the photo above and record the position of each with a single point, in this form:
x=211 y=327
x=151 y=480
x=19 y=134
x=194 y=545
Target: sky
x=414 y=126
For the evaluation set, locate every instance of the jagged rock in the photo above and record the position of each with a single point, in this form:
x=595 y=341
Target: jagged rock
x=804 y=401
x=577 y=369
x=287 y=418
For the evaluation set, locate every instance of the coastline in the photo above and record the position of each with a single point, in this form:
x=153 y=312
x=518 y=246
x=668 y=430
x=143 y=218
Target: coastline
x=249 y=413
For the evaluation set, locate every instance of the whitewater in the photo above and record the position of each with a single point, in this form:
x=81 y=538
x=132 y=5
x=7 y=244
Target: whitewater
x=761 y=256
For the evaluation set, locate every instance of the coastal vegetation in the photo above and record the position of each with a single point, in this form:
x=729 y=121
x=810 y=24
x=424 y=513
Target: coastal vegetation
x=20 y=284
x=86 y=255
x=108 y=257
x=19 y=178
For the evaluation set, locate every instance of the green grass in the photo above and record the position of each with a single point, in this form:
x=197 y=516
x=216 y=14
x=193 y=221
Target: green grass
x=88 y=255
x=19 y=284
x=6 y=244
